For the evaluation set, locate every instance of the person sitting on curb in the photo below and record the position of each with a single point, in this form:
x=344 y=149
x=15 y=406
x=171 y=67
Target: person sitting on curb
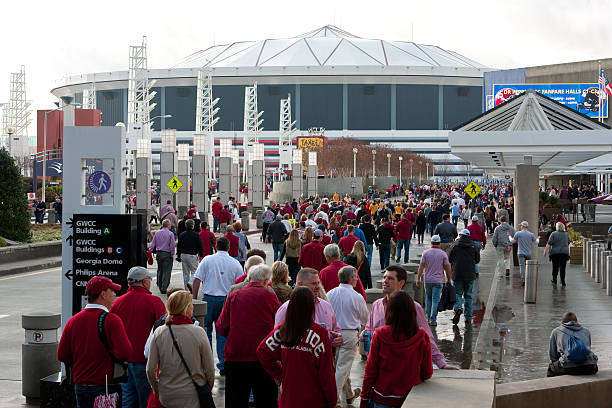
x=570 y=349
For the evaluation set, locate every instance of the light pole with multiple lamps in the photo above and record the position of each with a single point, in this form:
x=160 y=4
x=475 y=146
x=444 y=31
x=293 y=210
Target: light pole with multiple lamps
x=400 y=175
x=374 y=167
x=411 y=179
x=420 y=171
x=355 y=161
x=427 y=164
x=388 y=164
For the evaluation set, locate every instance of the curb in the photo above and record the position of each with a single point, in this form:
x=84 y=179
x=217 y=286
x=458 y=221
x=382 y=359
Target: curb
x=30 y=268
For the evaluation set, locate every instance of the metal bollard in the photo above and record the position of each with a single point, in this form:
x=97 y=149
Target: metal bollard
x=39 y=352
x=597 y=273
x=531 y=281
x=587 y=266
x=593 y=260
x=584 y=251
x=609 y=276
x=199 y=311
x=603 y=270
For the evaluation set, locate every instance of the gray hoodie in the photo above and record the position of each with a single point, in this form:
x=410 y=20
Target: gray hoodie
x=558 y=344
x=500 y=235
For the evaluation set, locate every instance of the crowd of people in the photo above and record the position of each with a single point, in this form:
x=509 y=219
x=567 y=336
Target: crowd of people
x=286 y=335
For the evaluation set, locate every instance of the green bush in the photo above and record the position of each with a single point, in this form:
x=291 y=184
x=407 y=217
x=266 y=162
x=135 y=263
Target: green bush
x=51 y=192
x=2 y=242
x=15 y=224
x=543 y=196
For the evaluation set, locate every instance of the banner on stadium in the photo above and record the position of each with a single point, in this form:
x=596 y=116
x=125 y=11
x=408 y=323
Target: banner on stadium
x=583 y=97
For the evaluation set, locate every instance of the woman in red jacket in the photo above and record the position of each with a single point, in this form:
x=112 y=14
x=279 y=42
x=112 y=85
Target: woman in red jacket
x=399 y=358
x=298 y=355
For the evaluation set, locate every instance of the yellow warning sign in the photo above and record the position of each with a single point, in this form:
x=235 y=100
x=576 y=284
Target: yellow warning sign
x=174 y=184
x=473 y=189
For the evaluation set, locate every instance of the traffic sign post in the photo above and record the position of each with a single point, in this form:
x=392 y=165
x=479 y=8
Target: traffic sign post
x=174 y=184
x=473 y=189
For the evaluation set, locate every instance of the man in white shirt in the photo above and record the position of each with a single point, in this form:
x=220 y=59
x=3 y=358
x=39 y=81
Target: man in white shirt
x=217 y=273
x=351 y=312
x=288 y=225
x=310 y=222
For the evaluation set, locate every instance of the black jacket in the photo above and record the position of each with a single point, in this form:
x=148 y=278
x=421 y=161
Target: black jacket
x=369 y=231
x=463 y=259
x=277 y=232
x=189 y=242
x=385 y=233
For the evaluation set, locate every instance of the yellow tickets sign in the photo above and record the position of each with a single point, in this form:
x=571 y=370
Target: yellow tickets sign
x=174 y=184
x=313 y=142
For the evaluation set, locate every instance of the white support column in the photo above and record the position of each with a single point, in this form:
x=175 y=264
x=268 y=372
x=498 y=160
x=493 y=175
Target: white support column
x=143 y=176
x=182 y=196
x=167 y=166
x=526 y=182
x=258 y=186
x=312 y=175
x=225 y=179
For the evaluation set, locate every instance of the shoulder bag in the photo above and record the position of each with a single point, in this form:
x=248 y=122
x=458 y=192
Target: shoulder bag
x=204 y=392
x=120 y=374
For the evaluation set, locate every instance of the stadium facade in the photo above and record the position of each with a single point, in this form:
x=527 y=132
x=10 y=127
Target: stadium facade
x=399 y=93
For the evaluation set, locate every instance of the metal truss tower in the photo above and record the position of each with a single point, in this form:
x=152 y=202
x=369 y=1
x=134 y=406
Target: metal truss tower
x=139 y=100
x=89 y=97
x=285 y=140
x=3 y=125
x=252 y=123
x=205 y=116
x=18 y=116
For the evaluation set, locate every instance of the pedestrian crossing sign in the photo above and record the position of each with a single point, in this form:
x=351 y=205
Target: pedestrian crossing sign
x=174 y=184
x=473 y=189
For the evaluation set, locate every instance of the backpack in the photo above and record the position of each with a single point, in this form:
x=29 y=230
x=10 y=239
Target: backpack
x=577 y=351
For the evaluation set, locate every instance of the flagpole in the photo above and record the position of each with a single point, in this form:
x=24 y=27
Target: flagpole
x=599 y=78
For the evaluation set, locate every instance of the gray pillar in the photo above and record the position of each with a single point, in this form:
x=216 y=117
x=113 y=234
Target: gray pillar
x=182 y=196
x=166 y=169
x=199 y=174
x=258 y=187
x=236 y=181
x=250 y=184
x=526 y=197
x=297 y=182
x=143 y=184
x=311 y=176
x=225 y=179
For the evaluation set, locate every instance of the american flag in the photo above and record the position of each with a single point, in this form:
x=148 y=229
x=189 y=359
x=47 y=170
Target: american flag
x=604 y=83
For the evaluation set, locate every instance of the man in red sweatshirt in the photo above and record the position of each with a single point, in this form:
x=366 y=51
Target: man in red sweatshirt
x=329 y=274
x=216 y=210
x=311 y=255
x=403 y=230
x=477 y=235
x=138 y=310
x=82 y=347
x=347 y=242
x=234 y=242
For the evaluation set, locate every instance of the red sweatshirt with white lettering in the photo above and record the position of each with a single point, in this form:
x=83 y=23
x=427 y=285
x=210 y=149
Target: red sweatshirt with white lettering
x=306 y=371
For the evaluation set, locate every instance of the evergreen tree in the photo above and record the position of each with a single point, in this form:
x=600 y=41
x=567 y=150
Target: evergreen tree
x=15 y=223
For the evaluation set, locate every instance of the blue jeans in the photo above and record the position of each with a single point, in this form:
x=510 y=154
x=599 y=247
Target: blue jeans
x=369 y=249
x=384 y=251
x=464 y=296
x=523 y=262
x=374 y=404
x=478 y=245
x=215 y=223
x=137 y=389
x=405 y=243
x=278 y=250
x=213 y=311
x=58 y=218
x=86 y=394
x=432 y=299
x=455 y=218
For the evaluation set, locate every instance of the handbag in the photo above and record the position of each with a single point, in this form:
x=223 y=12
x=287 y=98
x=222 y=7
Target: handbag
x=204 y=392
x=120 y=374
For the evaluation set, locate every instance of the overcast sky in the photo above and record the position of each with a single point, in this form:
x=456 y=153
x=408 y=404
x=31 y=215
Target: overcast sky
x=55 y=39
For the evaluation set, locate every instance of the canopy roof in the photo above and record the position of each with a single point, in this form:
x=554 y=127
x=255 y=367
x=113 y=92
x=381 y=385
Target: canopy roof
x=326 y=46
x=554 y=135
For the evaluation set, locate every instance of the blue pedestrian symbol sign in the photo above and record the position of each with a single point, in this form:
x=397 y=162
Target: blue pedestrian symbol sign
x=99 y=182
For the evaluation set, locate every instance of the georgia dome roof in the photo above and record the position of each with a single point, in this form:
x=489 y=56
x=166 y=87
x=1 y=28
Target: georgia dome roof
x=327 y=46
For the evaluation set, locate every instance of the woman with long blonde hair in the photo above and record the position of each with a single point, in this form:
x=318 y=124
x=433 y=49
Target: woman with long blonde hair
x=293 y=248
x=308 y=236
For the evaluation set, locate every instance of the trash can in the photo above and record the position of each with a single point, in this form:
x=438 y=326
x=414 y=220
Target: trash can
x=199 y=311
x=259 y=220
x=244 y=219
x=39 y=352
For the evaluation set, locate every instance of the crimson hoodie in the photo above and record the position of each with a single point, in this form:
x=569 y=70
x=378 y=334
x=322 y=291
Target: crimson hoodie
x=305 y=371
x=394 y=367
x=402 y=229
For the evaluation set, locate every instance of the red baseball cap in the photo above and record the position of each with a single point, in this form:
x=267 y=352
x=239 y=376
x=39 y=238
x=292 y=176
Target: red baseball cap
x=99 y=284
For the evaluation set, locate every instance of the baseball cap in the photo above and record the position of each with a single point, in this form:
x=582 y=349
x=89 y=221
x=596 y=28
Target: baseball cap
x=435 y=239
x=524 y=224
x=138 y=273
x=99 y=284
x=475 y=218
x=465 y=232
x=318 y=233
x=169 y=202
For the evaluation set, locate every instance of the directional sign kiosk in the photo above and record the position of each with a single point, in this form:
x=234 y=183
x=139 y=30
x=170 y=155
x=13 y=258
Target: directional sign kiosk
x=473 y=189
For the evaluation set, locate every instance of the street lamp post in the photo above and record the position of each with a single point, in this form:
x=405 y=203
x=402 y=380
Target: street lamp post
x=400 y=173
x=355 y=161
x=374 y=167
x=427 y=164
x=411 y=179
x=388 y=164
x=420 y=171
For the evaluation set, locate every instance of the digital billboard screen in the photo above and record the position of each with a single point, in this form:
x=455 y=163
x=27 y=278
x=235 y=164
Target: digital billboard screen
x=583 y=98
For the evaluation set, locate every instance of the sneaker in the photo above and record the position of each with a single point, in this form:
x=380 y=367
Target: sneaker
x=522 y=284
x=554 y=282
x=468 y=322
x=433 y=324
x=354 y=397
x=507 y=272
x=563 y=284
x=455 y=319
x=397 y=259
